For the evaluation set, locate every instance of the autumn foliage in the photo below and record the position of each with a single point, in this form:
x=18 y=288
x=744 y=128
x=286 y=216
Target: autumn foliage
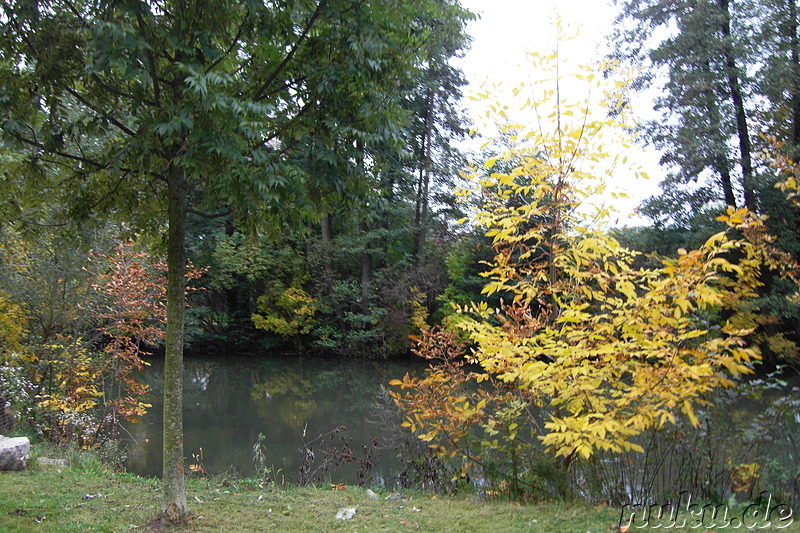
x=132 y=316
x=97 y=390
x=588 y=349
x=92 y=381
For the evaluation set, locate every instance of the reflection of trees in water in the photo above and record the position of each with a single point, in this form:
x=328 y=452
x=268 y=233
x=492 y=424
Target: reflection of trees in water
x=199 y=373
x=301 y=391
x=287 y=396
x=229 y=400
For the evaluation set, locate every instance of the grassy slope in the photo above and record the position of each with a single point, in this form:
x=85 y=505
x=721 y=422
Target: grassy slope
x=49 y=499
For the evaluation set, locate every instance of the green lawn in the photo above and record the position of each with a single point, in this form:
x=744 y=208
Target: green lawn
x=60 y=499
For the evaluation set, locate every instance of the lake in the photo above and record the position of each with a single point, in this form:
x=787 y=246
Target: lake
x=290 y=400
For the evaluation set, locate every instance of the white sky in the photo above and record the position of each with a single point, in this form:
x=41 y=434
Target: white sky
x=508 y=28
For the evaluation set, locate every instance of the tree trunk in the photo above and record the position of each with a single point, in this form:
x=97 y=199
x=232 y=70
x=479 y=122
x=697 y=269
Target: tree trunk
x=327 y=250
x=231 y=293
x=366 y=254
x=423 y=186
x=173 y=507
x=725 y=180
x=738 y=106
x=366 y=270
x=721 y=163
x=795 y=76
x=326 y=229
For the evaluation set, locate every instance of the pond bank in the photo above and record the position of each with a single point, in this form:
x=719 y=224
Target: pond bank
x=89 y=498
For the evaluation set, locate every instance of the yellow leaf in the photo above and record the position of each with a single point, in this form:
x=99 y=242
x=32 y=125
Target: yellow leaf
x=689 y=411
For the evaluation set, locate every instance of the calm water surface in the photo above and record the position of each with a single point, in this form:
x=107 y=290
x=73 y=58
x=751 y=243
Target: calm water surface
x=229 y=401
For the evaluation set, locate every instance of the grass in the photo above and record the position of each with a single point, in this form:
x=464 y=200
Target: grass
x=88 y=498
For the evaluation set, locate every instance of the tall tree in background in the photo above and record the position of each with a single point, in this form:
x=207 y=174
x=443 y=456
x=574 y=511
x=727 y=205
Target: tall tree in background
x=435 y=159
x=774 y=28
x=705 y=130
x=150 y=110
x=728 y=76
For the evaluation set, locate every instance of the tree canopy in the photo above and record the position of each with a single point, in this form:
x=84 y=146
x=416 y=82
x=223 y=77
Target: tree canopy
x=150 y=110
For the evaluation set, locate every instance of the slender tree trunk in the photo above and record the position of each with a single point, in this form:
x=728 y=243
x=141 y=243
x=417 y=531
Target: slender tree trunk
x=327 y=236
x=231 y=293
x=423 y=188
x=326 y=229
x=173 y=507
x=738 y=105
x=794 y=42
x=725 y=180
x=721 y=163
x=366 y=255
x=366 y=270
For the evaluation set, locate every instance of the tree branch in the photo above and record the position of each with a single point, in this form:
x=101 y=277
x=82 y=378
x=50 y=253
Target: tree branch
x=150 y=60
x=119 y=93
x=236 y=38
x=284 y=127
x=111 y=119
x=262 y=91
x=209 y=215
x=66 y=155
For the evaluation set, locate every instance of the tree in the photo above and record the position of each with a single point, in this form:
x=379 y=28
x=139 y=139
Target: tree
x=703 y=108
x=132 y=314
x=150 y=110
x=727 y=75
x=434 y=158
x=596 y=347
x=772 y=26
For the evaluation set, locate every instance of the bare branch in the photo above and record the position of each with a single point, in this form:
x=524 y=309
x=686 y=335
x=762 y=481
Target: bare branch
x=66 y=155
x=119 y=93
x=108 y=117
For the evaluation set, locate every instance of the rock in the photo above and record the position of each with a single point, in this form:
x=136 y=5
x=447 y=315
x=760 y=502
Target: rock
x=14 y=453
x=346 y=513
x=46 y=461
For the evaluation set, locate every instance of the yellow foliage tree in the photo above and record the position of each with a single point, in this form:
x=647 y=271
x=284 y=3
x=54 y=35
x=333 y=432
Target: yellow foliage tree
x=12 y=328
x=598 y=349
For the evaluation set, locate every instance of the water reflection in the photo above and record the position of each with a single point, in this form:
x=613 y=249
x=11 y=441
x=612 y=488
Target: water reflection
x=287 y=396
x=228 y=402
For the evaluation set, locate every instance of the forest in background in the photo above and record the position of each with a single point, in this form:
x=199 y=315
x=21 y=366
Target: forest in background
x=299 y=162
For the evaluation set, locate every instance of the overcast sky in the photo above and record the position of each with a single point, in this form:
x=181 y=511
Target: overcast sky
x=508 y=28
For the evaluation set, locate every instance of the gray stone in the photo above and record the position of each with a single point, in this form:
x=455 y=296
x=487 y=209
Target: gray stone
x=14 y=453
x=52 y=462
